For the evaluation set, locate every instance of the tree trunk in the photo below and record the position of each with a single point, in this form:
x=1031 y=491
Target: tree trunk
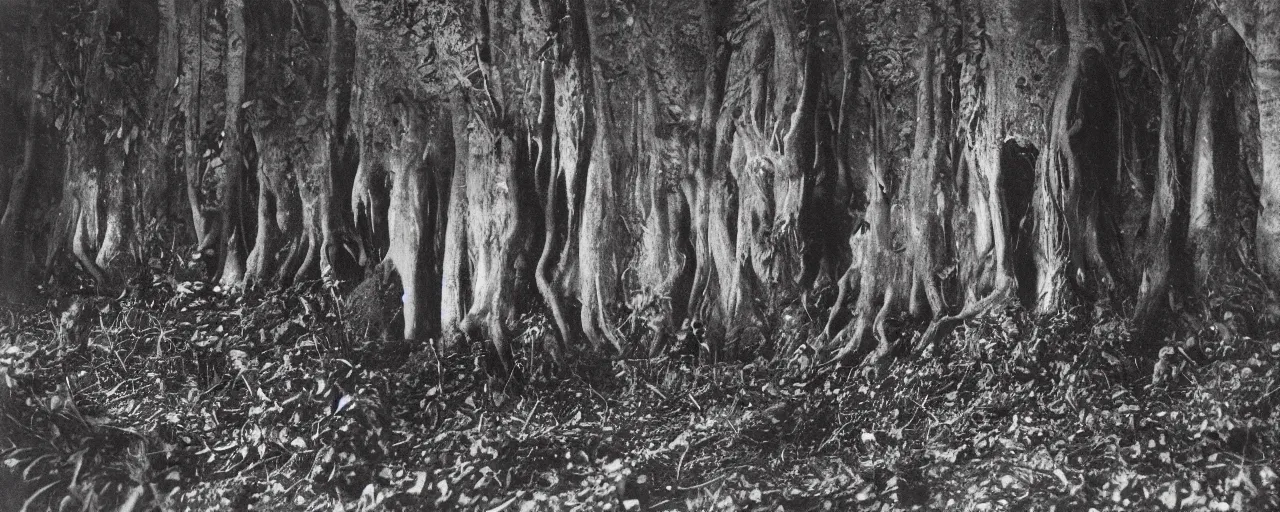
x=157 y=140
x=923 y=183
x=711 y=201
x=1063 y=245
x=117 y=185
x=1266 y=76
x=202 y=226
x=698 y=175
x=792 y=181
x=575 y=126
x=1204 y=229
x=597 y=267
x=455 y=292
x=17 y=193
x=114 y=181
x=889 y=279
x=77 y=224
x=333 y=234
x=91 y=164
x=496 y=198
x=281 y=171
x=552 y=186
x=493 y=238
x=232 y=237
x=1157 y=254
x=877 y=271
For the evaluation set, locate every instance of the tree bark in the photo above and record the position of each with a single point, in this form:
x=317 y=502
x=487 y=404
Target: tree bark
x=712 y=237
x=575 y=134
x=551 y=189
x=113 y=182
x=492 y=239
x=117 y=186
x=281 y=169
x=713 y=296
x=157 y=140
x=701 y=173
x=877 y=270
x=17 y=193
x=204 y=232
x=333 y=234
x=496 y=194
x=889 y=279
x=923 y=181
x=90 y=168
x=232 y=237
x=1204 y=227
x=1157 y=254
x=455 y=292
x=1266 y=76
x=1063 y=247
x=772 y=164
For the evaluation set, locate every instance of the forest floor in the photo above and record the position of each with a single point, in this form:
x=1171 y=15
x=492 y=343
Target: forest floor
x=174 y=396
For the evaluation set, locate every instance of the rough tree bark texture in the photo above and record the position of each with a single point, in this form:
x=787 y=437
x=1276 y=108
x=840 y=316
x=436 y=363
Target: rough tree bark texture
x=333 y=233
x=552 y=186
x=92 y=164
x=989 y=278
x=77 y=223
x=231 y=241
x=596 y=269
x=665 y=261
x=711 y=296
x=17 y=193
x=492 y=237
x=1266 y=76
x=155 y=162
x=1155 y=273
x=771 y=162
x=424 y=163
x=298 y=161
x=194 y=104
x=1064 y=252
x=281 y=169
x=876 y=271
x=114 y=178
x=1208 y=209
x=924 y=188
x=567 y=119
x=690 y=160
x=455 y=293
x=892 y=278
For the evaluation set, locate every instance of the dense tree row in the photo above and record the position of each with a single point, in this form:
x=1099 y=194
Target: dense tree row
x=638 y=168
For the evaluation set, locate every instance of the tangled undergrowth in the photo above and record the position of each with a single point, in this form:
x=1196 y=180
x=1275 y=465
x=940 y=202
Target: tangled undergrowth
x=173 y=396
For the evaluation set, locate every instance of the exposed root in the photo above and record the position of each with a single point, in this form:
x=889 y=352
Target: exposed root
x=311 y=261
x=485 y=328
x=542 y=273
x=116 y=222
x=597 y=269
x=77 y=225
x=82 y=232
x=1004 y=292
x=259 y=263
x=546 y=166
x=845 y=286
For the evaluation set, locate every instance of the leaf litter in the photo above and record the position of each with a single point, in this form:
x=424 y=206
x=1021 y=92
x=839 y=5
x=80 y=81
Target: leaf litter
x=178 y=397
